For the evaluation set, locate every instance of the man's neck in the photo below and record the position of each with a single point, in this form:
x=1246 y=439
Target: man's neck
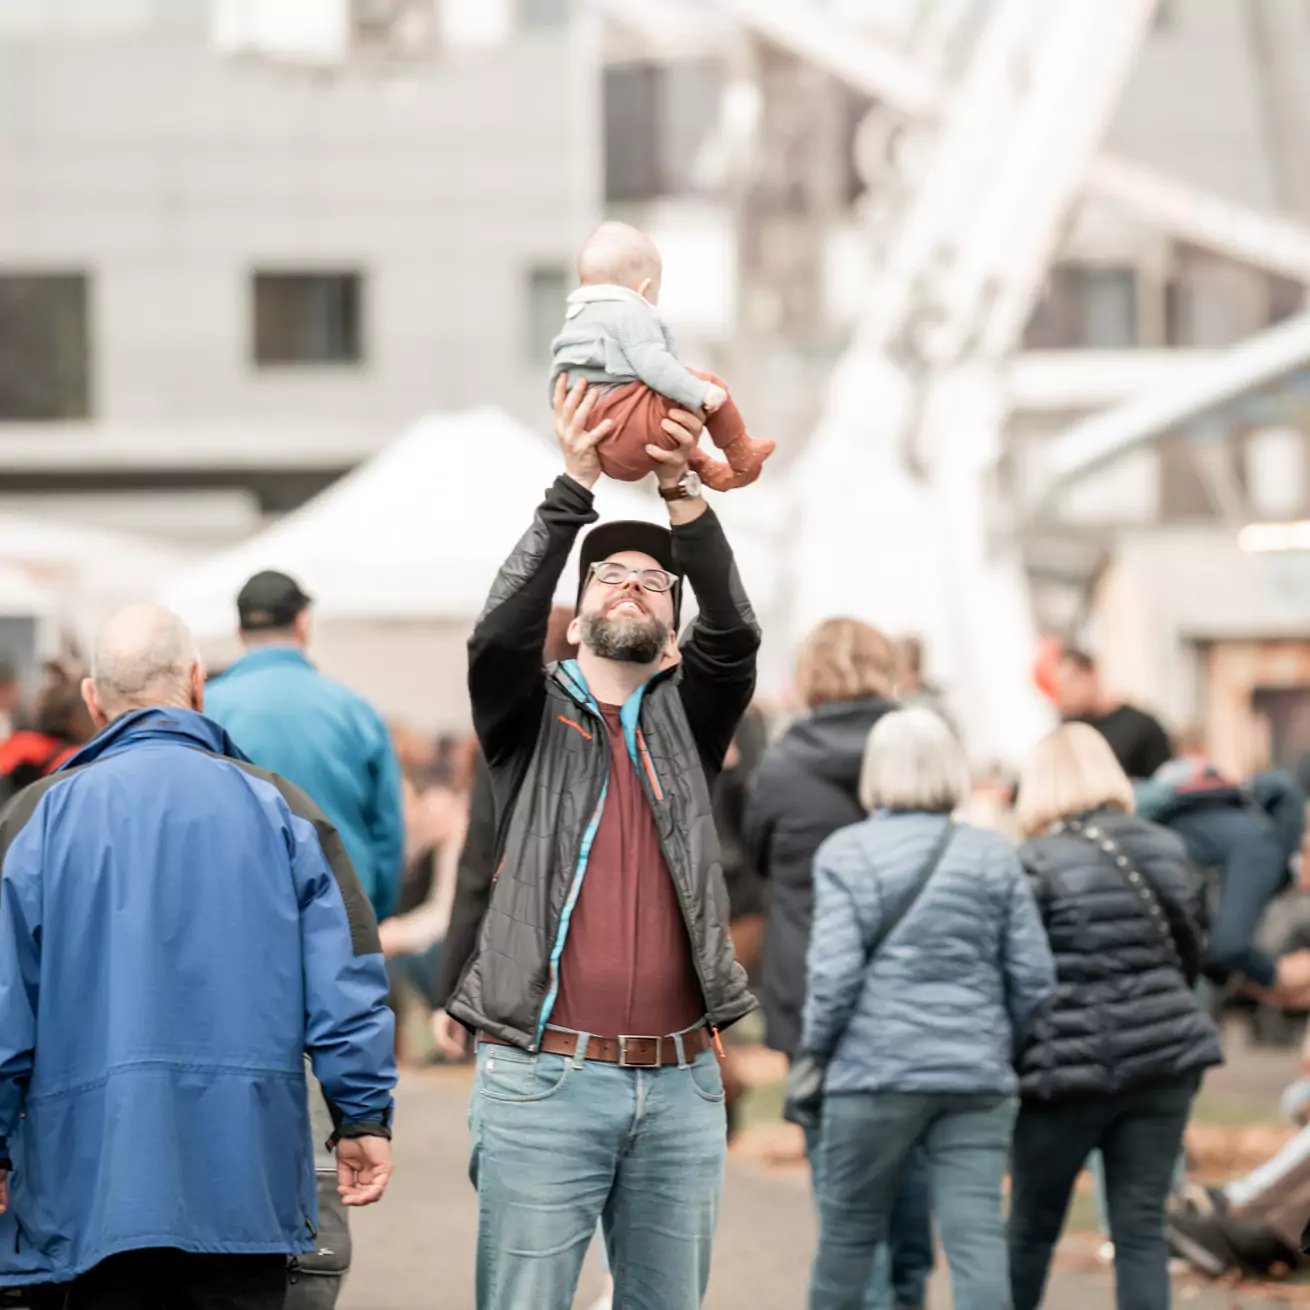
x=612 y=682
x=255 y=644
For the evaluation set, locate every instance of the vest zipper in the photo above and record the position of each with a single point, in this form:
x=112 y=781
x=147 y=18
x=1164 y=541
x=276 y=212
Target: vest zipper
x=552 y=977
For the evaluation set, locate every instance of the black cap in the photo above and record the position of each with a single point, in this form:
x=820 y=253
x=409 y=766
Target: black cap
x=270 y=600
x=630 y=534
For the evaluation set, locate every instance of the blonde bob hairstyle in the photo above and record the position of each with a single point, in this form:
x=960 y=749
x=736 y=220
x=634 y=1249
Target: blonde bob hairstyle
x=913 y=762
x=1071 y=772
x=844 y=659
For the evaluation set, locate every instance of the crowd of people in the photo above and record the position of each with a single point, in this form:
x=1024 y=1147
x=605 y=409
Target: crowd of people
x=222 y=896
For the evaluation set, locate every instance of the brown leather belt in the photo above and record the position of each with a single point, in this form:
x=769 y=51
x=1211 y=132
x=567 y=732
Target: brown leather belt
x=629 y=1052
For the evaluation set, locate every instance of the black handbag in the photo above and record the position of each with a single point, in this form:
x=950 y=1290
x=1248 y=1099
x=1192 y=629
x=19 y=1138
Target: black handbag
x=804 y=1102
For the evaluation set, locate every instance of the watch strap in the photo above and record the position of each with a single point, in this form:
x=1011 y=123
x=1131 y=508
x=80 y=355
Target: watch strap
x=674 y=493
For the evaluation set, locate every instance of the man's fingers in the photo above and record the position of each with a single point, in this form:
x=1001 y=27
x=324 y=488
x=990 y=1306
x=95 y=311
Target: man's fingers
x=692 y=424
x=561 y=390
x=584 y=407
x=4 y=1193
x=662 y=456
x=683 y=436
x=589 y=439
x=370 y=1185
x=576 y=397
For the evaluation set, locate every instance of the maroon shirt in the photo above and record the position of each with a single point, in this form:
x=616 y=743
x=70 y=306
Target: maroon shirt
x=627 y=967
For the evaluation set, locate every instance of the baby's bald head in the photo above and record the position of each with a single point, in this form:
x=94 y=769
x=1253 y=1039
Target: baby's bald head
x=144 y=656
x=620 y=255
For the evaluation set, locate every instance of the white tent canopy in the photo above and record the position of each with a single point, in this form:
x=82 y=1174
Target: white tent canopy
x=417 y=532
x=399 y=556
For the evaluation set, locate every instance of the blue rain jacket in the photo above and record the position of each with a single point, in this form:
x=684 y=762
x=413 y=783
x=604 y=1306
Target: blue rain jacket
x=290 y=718
x=177 y=928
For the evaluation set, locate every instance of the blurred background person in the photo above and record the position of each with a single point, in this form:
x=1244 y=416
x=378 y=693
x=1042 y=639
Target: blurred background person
x=436 y=822
x=1242 y=840
x=290 y=718
x=11 y=698
x=927 y=965
x=807 y=787
x=1116 y=1061
x=1138 y=739
x=60 y=724
x=913 y=690
x=991 y=802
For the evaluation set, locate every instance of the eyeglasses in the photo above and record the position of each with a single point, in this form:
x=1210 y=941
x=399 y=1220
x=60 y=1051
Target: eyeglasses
x=613 y=574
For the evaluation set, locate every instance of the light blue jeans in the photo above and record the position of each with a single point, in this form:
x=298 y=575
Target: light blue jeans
x=562 y=1142
x=867 y=1140
x=901 y=1269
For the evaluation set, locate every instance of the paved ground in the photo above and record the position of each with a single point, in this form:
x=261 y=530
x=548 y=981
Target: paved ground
x=415 y=1251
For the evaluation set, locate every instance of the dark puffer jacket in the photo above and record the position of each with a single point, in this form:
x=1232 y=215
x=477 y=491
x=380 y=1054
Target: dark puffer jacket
x=1124 y=1013
x=808 y=786
x=548 y=753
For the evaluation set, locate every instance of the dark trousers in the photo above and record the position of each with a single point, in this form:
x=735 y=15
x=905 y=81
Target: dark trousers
x=164 y=1279
x=1139 y=1134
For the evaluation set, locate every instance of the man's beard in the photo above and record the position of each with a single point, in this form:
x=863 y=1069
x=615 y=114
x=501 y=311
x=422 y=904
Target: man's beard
x=629 y=640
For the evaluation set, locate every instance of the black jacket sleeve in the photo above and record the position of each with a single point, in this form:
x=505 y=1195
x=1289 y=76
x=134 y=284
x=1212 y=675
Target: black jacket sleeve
x=472 y=886
x=1154 y=748
x=1188 y=938
x=505 y=670
x=761 y=813
x=718 y=654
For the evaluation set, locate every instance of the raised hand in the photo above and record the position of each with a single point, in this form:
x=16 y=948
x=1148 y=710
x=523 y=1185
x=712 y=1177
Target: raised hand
x=572 y=410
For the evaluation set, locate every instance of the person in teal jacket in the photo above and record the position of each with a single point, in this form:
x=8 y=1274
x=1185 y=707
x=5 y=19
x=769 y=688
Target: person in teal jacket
x=290 y=718
x=332 y=744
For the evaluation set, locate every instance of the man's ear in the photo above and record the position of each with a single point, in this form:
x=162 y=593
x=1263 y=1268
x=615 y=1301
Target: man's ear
x=92 y=703
x=301 y=626
x=574 y=633
x=646 y=284
x=198 y=687
x=672 y=655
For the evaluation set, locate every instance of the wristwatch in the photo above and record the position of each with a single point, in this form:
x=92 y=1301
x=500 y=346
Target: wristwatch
x=688 y=489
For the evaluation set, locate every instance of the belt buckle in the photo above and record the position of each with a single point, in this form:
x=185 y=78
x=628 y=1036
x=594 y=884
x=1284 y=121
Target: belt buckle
x=625 y=1063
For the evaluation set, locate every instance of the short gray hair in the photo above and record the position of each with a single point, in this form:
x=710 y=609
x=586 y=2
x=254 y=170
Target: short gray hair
x=144 y=655
x=913 y=762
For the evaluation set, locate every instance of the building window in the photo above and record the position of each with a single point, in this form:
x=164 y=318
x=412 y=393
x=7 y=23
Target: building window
x=548 y=290
x=45 y=346
x=308 y=318
x=1087 y=307
x=658 y=119
x=543 y=13
x=1211 y=301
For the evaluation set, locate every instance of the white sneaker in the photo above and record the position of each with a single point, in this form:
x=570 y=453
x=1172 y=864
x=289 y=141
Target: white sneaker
x=1106 y=1253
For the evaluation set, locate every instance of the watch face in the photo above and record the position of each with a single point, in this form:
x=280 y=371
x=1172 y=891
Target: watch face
x=691 y=484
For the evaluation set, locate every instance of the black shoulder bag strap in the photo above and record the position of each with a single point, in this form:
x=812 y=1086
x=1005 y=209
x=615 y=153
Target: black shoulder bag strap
x=1132 y=876
x=805 y=1081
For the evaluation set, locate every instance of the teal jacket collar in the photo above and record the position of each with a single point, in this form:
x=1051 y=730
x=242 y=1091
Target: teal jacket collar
x=268 y=657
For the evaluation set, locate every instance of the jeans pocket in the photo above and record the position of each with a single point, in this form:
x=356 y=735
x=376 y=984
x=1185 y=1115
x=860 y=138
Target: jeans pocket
x=706 y=1077
x=518 y=1077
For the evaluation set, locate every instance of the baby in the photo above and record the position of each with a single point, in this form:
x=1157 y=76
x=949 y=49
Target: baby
x=614 y=338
